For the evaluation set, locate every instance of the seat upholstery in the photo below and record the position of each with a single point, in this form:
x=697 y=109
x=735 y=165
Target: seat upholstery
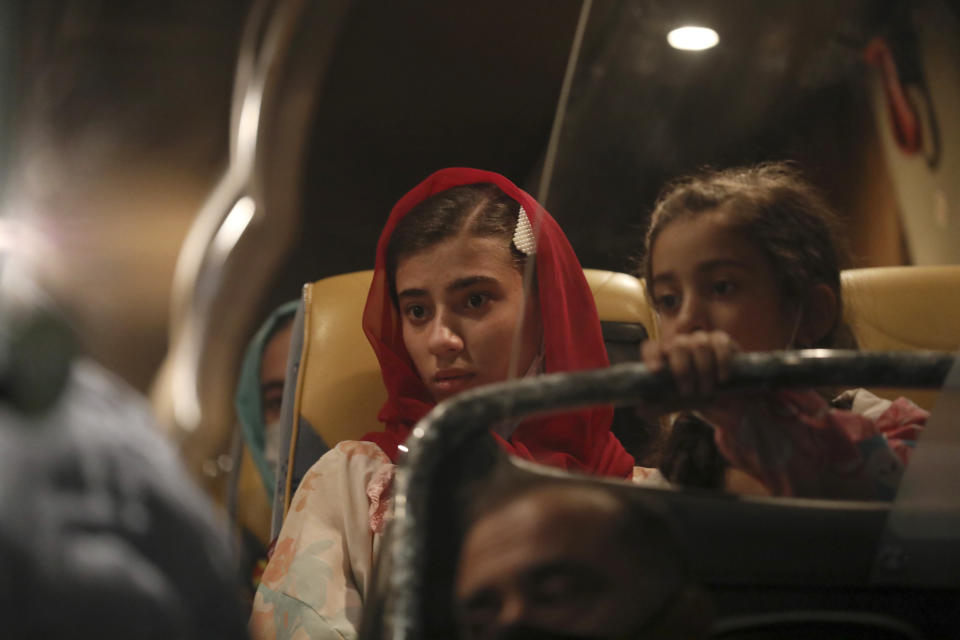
x=902 y=309
x=338 y=366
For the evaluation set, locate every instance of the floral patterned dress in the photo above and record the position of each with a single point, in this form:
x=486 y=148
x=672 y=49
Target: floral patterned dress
x=316 y=581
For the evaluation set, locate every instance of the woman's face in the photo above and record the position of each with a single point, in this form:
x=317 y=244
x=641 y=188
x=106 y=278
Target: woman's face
x=273 y=370
x=707 y=277
x=460 y=302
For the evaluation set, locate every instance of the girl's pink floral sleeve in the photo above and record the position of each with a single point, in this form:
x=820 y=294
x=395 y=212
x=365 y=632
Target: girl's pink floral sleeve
x=798 y=445
x=902 y=424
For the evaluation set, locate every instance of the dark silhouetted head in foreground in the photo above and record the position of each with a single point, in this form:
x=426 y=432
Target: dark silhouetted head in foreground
x=556 y=559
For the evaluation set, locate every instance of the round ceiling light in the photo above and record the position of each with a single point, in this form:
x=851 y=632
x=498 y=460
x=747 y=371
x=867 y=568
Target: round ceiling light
x=693 y=38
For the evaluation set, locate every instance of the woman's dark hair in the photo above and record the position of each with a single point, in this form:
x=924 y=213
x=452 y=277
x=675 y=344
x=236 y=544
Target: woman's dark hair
x=780 y=213
x=480 y=209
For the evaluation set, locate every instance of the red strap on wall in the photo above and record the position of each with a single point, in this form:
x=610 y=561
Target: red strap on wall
x=906 y=124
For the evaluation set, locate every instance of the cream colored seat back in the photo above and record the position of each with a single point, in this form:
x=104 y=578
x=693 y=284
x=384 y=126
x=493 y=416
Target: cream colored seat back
x=904 y=309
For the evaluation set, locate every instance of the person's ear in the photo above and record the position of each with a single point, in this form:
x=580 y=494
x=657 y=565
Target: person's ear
x=820 y=311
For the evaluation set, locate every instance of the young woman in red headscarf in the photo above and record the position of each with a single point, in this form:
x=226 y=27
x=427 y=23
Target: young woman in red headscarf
x=447 y=311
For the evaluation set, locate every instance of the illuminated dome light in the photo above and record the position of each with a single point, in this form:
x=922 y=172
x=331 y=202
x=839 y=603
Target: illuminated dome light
x=693 y=38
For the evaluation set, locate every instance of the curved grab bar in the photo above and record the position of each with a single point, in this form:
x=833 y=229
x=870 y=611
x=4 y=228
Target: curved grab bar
x=459 y=419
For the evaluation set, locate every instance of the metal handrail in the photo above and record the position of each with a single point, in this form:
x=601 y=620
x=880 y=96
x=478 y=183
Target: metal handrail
x=455 y=421
x=241 y=234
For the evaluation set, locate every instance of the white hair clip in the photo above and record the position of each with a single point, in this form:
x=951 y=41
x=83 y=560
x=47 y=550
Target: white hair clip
x=523 y=238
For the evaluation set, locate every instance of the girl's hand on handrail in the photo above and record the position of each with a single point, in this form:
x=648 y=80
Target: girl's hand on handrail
x=698 y=360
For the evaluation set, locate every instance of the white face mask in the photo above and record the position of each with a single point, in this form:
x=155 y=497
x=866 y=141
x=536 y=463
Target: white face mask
x=272 y=441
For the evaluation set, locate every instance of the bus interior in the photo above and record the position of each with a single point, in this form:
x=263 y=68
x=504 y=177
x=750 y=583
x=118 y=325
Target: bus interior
x=170 y=173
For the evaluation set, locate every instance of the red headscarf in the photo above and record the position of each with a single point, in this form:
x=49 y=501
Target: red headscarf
x=577 y=441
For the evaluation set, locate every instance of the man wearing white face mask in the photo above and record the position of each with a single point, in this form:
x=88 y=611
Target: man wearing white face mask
x=257 y=403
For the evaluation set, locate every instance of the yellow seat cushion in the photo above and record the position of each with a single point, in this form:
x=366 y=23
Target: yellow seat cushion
x=621 y=297
x=253 y=508
x=903 y=309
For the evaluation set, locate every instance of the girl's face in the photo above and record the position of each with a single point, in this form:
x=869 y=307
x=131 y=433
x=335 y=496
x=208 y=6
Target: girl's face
x=708 y=277
x=460 y=302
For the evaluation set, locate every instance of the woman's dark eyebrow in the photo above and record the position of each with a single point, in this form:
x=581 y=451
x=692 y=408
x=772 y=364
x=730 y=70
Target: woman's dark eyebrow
x=412 y=293
x=469 y=281
x=456 y=285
